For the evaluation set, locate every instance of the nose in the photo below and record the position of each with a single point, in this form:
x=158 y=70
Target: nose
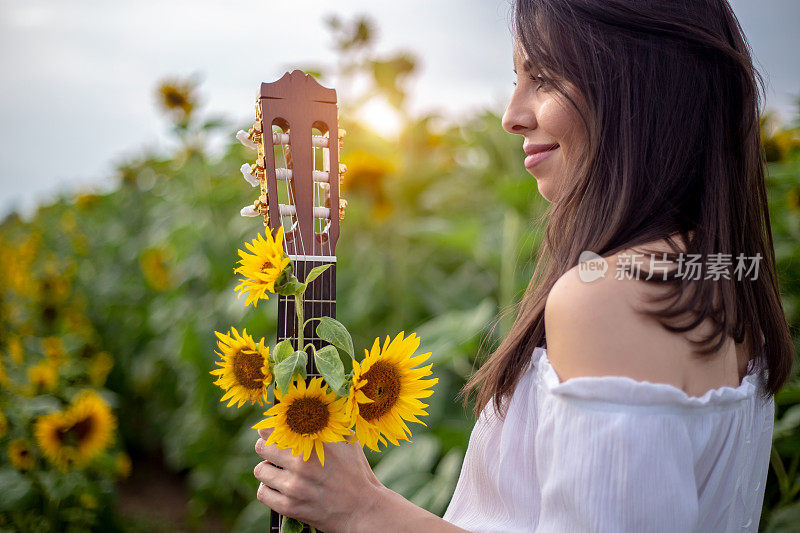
x=519 y=116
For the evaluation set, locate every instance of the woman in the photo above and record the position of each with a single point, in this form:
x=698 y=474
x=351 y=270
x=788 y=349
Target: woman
x=628 y=396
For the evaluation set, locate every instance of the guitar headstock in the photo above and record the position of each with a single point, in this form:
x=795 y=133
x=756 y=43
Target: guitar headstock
x=297 y=137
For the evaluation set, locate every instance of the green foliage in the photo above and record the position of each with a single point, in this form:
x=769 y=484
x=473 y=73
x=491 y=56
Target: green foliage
x=332 y=331
x=782 y=492
x=330 y=366
x=293 y=365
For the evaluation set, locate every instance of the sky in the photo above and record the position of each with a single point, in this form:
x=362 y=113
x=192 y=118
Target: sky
x=78 y=92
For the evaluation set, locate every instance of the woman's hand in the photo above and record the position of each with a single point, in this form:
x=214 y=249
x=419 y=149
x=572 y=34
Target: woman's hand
x=330 y=498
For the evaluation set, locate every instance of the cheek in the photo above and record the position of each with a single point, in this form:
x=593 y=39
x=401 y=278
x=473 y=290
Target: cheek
x=560 y=122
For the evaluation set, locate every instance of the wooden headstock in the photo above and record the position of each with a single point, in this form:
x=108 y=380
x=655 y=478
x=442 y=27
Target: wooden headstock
x=295 y=118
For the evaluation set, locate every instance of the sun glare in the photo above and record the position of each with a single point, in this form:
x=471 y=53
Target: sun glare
x=381 y=118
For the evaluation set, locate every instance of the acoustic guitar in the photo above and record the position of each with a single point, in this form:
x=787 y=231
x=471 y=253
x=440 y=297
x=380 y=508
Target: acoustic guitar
x=298 y=140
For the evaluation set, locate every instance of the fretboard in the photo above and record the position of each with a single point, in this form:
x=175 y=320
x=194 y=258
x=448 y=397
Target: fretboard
x=320 y=300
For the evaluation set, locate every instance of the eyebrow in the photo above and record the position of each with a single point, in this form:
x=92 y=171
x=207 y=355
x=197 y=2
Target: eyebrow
x=526 y=65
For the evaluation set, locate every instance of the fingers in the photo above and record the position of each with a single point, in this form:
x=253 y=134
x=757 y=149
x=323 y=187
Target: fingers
x=275 y=500
x=272 y=476
x=279 y=490
x=265 y=433
x=276 y=456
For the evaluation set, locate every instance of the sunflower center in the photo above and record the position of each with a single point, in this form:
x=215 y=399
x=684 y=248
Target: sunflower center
x=76 y=433
x=307 y=415
x=247 y=369
x=83 y=428
x=383 y=387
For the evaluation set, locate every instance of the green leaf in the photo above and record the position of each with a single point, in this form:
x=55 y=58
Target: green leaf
x=14 y=488
x=290 y=525
x=291 y=288
x=787 y=423
x=302 y=362
x=330 y=366
x=281 y=351
x=315 y=273
x=332 y=331
x=287 y=284
x=286 y=369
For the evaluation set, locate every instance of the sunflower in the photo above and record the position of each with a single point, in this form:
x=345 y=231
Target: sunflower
x=50 y=431
x=177 y=97
x=75 y=436
x=261 y=268
x=386 y=391
x=122 y=465
x=245 y=373
x=99 y=367
x=306 y=417
x=54 y=349
x=43 y=376
x=16 y=350
x=20 y=454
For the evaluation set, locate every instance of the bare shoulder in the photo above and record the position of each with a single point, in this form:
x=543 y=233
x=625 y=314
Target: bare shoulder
x=593 y=328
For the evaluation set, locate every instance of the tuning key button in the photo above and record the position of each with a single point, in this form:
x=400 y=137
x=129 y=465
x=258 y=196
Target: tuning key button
x=248 y=175
x=342 y=206
x=249 y=211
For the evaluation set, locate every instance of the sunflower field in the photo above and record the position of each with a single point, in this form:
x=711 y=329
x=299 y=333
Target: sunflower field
x=109 y=420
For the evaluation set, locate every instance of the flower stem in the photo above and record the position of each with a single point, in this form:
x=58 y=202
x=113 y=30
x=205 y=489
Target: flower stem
x=298 y=306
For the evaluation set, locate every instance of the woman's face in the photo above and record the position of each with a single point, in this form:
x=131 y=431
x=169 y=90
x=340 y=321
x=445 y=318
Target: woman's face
x=544 y=119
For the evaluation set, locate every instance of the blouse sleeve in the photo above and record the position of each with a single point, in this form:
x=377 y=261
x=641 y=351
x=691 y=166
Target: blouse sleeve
x=614 y=468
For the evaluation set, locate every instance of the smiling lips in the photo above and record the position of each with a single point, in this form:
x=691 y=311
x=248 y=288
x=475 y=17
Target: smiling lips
x=538 y=153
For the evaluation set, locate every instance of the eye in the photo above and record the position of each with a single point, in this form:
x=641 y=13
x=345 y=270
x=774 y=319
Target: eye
x=541 y=81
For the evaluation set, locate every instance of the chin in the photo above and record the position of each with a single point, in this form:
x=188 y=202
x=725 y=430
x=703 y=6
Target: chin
x=545 y=189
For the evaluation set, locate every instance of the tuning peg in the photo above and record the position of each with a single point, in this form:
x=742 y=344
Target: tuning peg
x=342 y=170
x=342 y=133
x=248 y=176
x=256 y=171
x=249 y=211
x=342 y=206
x=245 y=139
x=259 y=208
x=255 y=133
x=262 y=206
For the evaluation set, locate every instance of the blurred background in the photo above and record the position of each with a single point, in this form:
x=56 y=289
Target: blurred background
x=119 y=227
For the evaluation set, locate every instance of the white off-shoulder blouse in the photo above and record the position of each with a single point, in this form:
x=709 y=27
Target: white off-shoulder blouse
x=612 y=454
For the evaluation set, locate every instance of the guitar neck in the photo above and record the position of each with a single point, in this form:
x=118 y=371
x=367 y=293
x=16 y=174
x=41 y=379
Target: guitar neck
x=320 y=300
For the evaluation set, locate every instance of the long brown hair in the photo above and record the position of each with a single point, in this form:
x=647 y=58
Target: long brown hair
x=674 y=148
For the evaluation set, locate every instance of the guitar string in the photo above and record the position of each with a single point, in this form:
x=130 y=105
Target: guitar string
x=298 y=236
x=316 y=307
x=285 y=241
x=275 y=517
x=326 y=282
